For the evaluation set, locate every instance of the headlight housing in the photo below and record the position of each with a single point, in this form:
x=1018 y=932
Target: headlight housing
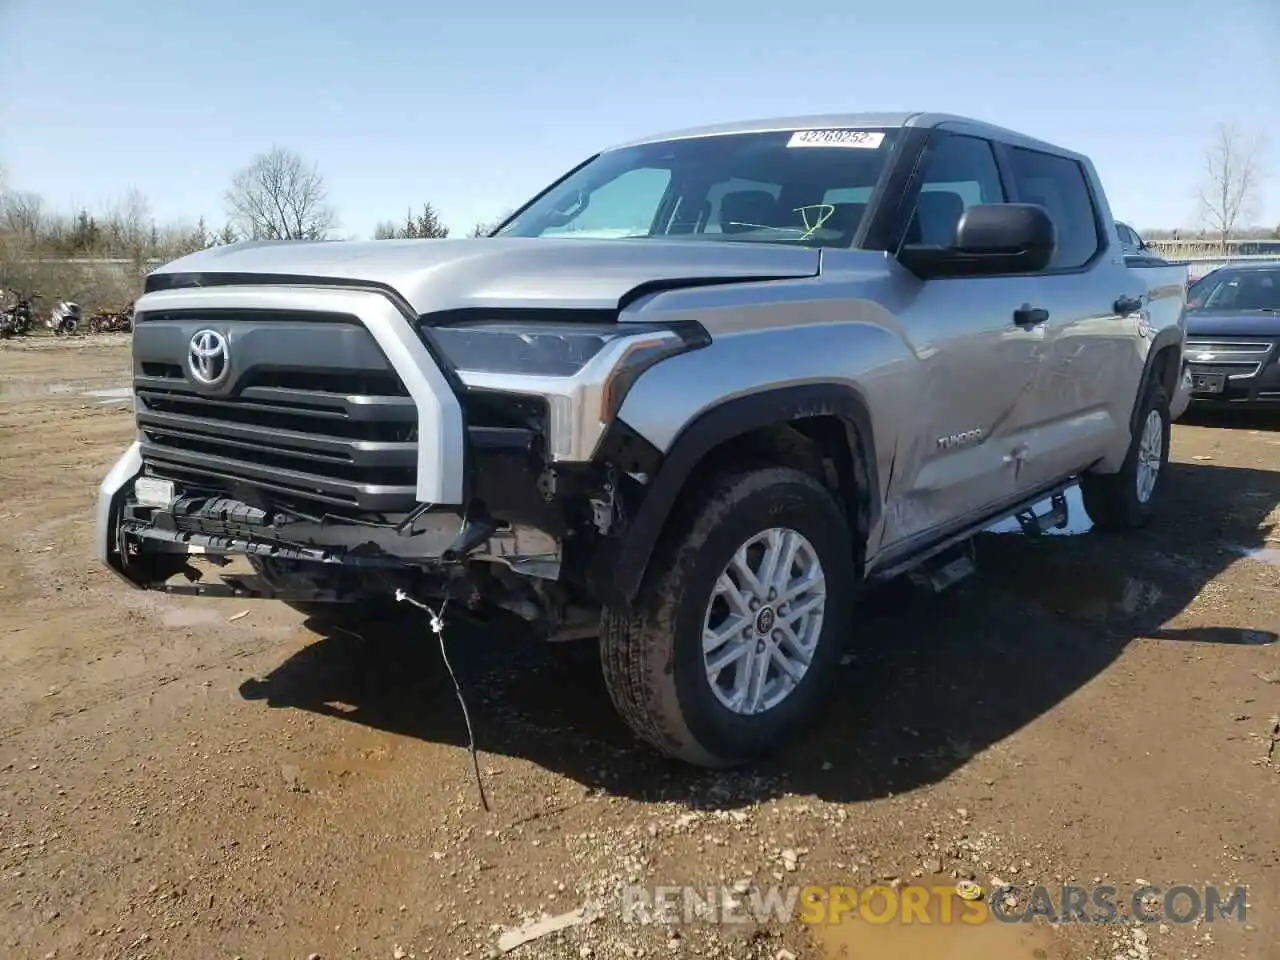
x=609 y=356
x=535 y=349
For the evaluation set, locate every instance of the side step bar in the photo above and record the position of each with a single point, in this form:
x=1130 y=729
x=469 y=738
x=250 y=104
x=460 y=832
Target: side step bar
x=1055 y=518
x=947 y=568
x=951 y=559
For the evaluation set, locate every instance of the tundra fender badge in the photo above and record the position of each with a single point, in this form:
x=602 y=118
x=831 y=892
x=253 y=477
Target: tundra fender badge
x=962 y=439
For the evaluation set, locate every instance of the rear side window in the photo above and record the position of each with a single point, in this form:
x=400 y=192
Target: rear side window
x=1059 y=185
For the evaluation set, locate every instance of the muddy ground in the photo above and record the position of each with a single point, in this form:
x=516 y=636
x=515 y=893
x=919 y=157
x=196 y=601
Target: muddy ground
x=207 y=778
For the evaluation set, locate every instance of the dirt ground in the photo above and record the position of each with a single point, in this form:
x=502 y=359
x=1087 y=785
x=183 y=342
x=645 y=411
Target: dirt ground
x=208 y=778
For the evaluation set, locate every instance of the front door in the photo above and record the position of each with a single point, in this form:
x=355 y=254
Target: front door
x=978 y=364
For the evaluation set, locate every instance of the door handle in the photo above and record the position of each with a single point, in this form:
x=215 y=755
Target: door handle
x=1126 y=305
x=1029 y=316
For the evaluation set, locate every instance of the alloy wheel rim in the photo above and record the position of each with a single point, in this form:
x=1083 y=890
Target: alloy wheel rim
x=1150 y=454
x=764 y=620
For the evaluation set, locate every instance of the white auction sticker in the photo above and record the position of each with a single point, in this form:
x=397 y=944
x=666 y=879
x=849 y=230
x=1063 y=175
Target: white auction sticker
x=858 y=139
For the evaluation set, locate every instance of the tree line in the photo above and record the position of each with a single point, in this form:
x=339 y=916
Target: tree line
x=277 y=196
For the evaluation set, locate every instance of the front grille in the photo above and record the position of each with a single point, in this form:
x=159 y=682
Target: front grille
x=1237 y=359
x=343 y=434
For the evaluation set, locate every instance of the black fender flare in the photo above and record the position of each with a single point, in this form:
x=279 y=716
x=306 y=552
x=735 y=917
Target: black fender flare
x=1167 y=337
x=618 y=581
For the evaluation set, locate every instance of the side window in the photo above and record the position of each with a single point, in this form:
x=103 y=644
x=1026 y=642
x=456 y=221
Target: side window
x=1058 y=184
x=961 y=173
x=626 y=204
x=1126 y=236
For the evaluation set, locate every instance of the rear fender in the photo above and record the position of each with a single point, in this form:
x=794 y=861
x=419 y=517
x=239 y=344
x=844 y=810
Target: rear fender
x=1169 y=338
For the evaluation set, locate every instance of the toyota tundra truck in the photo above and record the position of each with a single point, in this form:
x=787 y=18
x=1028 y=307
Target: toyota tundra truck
x=687 y=401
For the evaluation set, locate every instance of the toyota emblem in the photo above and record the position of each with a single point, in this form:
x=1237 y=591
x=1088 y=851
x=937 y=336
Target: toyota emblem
x=209 y=358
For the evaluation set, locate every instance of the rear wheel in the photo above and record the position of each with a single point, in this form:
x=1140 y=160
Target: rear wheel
x=1127 y=499
x=735 y=637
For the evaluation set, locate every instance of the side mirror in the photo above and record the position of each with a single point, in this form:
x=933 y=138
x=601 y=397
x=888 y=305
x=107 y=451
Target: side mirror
x=991 y=238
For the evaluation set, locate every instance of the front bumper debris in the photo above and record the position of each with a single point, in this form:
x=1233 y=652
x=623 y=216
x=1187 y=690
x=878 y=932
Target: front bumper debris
x=301 y=559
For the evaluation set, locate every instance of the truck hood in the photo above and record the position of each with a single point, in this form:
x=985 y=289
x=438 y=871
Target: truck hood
x=1233 y=323
x=493 y=272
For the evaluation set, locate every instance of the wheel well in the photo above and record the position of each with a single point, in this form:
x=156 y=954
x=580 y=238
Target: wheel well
x=1165 y=369
x=829 y=448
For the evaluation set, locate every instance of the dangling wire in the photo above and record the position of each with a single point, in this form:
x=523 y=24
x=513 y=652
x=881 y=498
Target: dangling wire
x=436 y=620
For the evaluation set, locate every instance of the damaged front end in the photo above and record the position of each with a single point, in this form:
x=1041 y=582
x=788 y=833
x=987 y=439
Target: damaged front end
x=330 y=453
x=159 y=535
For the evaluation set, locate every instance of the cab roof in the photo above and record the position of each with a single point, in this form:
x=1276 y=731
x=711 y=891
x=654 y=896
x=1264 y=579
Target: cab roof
x=827 y=121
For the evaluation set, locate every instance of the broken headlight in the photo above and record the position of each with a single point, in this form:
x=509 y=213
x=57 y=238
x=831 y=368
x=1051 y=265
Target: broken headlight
x=614 y=354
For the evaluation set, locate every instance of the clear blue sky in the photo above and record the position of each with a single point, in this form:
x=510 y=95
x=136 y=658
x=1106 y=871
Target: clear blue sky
x=475 y=106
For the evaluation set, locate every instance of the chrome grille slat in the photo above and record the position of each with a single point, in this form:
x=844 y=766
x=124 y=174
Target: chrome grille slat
x=1228 y=351
x=1232 y=371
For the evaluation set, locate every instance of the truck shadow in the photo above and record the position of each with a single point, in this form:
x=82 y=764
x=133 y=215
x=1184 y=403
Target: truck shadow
x=1220 y=419
x=930 y=679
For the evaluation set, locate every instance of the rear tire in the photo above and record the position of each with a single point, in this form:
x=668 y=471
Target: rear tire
x=1127 y=499
x=741 y=699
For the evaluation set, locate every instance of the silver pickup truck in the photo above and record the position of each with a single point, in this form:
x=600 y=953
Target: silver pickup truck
x=689 y=400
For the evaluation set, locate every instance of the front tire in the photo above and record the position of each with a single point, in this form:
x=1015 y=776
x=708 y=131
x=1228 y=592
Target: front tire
x=1127 y=499
x=736 y=634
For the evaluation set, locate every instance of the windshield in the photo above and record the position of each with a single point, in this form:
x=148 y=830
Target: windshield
x=808 y=187
x=1241 y=289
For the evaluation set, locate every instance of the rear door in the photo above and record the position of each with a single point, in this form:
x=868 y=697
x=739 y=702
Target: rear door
x=1093 y=337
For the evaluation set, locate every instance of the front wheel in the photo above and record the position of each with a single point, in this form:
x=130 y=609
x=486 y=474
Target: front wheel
x=736 y=634
x=1127 y=499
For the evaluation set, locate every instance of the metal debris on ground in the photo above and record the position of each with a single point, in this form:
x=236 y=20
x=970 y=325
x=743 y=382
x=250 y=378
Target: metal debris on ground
x=545 y=926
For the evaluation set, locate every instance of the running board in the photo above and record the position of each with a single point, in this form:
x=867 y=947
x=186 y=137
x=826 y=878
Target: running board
x=1053 y=519
x=946 y=569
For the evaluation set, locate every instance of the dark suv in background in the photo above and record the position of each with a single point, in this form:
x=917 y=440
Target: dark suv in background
x=1233 y=335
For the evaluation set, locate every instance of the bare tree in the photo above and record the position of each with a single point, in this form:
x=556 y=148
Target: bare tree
x=23 y=215
x=278 y=196
x=129 y=226
x=1232 y=183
